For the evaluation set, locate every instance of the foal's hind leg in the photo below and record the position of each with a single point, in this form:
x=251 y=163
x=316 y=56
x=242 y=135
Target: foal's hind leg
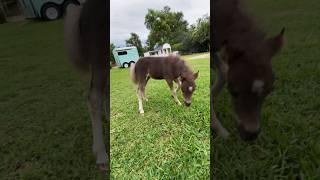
x=173 y=91
x=144 y=92
x=140 y=94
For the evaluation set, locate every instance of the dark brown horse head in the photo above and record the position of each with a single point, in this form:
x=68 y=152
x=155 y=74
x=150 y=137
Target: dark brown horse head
x=250 y=80
x=188 y=86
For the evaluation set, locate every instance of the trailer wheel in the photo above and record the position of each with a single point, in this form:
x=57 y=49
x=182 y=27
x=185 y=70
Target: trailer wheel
x=51 y=12
x=69 y=3
x=126 y=65
x=131 y=62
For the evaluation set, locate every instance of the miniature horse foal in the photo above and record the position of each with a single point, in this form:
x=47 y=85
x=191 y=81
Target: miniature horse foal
x=245 y=65
x=170 y=68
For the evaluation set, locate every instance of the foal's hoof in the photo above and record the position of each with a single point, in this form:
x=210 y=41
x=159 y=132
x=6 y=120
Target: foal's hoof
x=141 y=112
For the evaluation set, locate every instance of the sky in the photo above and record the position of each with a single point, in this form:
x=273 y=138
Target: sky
x=127 y=16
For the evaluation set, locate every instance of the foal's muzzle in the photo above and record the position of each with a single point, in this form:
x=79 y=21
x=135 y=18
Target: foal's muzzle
x=187 y=103
x=248 y=135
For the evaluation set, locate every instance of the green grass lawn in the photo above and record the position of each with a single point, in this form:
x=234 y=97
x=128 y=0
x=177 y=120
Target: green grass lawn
x=169 y=141
x=289 y=145
x=45 y=130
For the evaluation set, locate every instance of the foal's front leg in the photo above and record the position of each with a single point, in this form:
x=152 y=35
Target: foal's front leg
x=217 y=127
x=173 y=91
x=95 y=106
x=215 y=90
x=178 y=82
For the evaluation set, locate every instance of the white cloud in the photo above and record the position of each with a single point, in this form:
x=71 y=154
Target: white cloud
x=127 y=16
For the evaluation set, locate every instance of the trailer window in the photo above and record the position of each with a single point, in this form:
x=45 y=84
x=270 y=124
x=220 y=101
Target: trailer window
x=122 y=53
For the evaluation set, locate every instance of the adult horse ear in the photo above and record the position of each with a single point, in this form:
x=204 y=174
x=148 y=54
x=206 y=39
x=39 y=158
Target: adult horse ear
x=275 y=43
x=195 y=75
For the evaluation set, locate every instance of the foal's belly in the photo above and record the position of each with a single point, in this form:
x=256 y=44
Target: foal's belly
x=159 y=71
x=155 y=73
x=157 y=76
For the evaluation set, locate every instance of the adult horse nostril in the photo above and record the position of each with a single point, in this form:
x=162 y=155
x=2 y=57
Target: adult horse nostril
x=187 y=103
x=247 y=135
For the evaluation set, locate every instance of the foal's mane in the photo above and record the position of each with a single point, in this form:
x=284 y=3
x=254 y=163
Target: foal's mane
x=185 y=70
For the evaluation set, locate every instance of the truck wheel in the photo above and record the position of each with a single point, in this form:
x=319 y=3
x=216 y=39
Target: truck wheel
x=125 y=65
x=51 y=12
x=69 y=3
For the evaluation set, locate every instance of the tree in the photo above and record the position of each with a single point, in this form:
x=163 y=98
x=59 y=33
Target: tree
x=165 y=26
x=134 y=40
x=201 y=33
x=197 y=39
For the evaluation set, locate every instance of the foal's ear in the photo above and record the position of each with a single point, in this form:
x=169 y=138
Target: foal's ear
x=195 y=75
x=275 y=43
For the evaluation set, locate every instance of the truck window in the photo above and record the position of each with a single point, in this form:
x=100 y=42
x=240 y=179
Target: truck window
x=122 y=53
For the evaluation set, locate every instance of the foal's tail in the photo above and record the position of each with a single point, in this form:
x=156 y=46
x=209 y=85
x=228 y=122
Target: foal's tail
x=133 y=73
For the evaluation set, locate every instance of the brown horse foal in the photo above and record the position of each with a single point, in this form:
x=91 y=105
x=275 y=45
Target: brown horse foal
x=170 y=68
x=245 y=64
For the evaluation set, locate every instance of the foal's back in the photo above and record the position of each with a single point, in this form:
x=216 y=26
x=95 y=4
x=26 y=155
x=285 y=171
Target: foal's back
x=159 y=67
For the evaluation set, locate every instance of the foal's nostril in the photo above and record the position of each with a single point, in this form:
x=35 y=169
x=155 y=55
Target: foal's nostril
x=247 y=135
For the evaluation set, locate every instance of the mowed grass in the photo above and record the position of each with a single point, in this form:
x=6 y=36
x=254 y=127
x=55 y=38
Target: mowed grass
x=169 y=141
x=45 y=130
x=289 y=144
